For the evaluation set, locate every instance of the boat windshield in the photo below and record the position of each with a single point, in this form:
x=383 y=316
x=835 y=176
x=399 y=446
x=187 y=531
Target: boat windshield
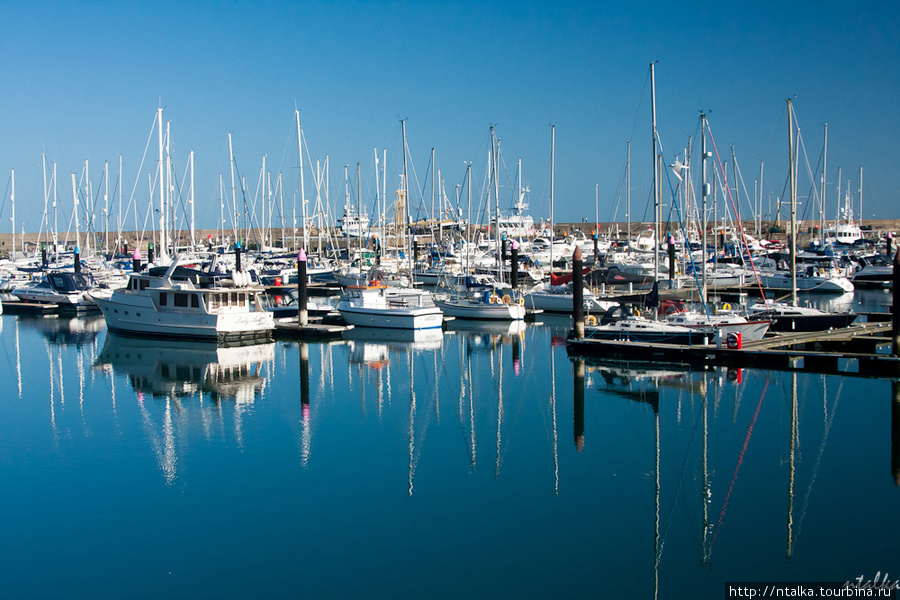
x=69 y=282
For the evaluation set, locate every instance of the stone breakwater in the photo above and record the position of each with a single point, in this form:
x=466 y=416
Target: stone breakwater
x=874 y=229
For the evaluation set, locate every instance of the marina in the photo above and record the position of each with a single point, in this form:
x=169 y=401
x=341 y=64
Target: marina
x=481 y=460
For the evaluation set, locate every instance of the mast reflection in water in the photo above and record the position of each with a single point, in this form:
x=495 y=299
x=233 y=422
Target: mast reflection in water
x=433 y=465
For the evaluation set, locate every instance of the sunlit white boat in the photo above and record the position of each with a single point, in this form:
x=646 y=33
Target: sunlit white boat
x=179 y=302
x=392 y=308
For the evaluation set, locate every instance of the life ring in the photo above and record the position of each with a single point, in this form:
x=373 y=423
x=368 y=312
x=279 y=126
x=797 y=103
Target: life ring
x=521 y=301
x=636 y=312
x=726 y=306
x=507 y=299
x=590 y=320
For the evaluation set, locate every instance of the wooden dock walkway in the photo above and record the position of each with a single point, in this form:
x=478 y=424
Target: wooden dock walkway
x=828 y=352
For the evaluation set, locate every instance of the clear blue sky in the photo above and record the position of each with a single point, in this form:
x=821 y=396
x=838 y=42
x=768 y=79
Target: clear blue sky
x=82 y=81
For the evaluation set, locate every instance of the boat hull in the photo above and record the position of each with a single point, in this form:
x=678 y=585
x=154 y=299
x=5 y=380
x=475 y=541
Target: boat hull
x=415 y=319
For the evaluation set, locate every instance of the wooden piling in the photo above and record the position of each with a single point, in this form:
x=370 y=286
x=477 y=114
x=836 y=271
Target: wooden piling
x=302 y=312
x=514 y=266
x=895 y=328
x=578 y=293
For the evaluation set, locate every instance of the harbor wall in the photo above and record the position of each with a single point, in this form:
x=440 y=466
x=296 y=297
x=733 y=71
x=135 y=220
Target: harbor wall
x=872 y=229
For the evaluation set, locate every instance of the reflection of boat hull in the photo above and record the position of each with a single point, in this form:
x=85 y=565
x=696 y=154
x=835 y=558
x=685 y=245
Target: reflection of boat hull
x=782 y=281
x=185 y=368
x=419 y=339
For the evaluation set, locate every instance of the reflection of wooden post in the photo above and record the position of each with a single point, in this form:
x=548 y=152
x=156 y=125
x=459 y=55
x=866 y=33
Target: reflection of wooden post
x=579 y=404
x=304 y=380
x=578 y=293
x=895 y=432
x=302 y=312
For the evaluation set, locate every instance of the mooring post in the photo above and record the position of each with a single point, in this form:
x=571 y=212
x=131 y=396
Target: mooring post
x=578 y=293
x=237 y=255
x=596 y=248
x=895 y=322
x=514 y=265
x=302 y=312
x=503 y=249
x=579 y=404
x=77 y=260
x=671 y=262
x=888 y=243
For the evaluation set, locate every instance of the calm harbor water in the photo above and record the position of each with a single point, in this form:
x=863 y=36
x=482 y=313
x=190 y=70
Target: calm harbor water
x=476 y=463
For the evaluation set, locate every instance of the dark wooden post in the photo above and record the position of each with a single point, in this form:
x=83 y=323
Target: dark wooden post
x=302 y=312
x=578 y=293
x=671 y=262
x=895 y=322
x=514 y=265
x=77 y=260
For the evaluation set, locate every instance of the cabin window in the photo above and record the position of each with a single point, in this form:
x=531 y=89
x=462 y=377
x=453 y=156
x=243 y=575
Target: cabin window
x=163 y=299
x=195 y=301
x=234 y=299
x=181 y=300
x=213 y=301
x=144 y=284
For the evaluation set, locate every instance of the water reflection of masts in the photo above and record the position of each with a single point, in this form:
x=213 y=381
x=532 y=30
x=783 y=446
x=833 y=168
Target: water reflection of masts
x=19 y=360
x=657 y=549
x=163 y=447
x=790 y=515
x=553 y=417
x=705 y=492
x=895 y=432
x=305 y=438
x=499 y=381
x=412 y=422
x=828 y=419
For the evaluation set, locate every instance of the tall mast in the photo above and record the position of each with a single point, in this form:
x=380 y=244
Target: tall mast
x=302 y=191
x=193 y=230
x=405 y=185
x=860 y=196
x=628 y=189
x=170 y=208
x=234 y=220
x=162 y=193
x=792 y=178
x=12 y=202
x=106 y=204
x=119 y=221
x=495 y=163
x=824 y=171
x=433 y=186
x=74 y=212
x=704 y=192
x=655 y=191
x=552 y=183
x=359 y=231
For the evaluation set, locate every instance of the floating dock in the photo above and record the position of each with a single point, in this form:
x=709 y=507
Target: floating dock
x=859 y=350
x=315 y=329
